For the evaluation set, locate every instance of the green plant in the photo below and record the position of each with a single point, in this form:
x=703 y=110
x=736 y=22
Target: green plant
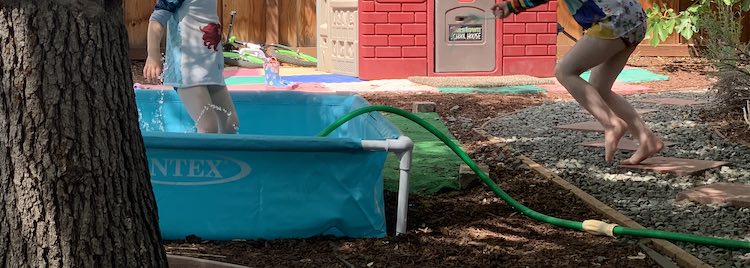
x=724 y=48
x=723 y=38
x=663 y=21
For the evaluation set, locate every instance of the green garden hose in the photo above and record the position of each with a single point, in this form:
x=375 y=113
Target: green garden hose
x=592 y=226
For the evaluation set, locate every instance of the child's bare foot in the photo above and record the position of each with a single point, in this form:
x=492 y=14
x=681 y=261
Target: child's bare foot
x=646 y=149
x=612 y=138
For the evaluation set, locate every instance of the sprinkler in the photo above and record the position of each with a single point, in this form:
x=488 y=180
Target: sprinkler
x=473 y=17
x=591 y=226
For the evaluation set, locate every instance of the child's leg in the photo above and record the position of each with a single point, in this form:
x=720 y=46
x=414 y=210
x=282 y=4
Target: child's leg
x=585 y=54
x=602 y=78
x=198 y=101
x=227 y=116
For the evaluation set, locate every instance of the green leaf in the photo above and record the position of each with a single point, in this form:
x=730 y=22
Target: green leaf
x=694 y=8
x=728 y=2
x=670 y=26
x=650 y=33
x=746 y=5
x=695 y=22
x=654 y=42
x=654 y=28
x=687 y=33
x=684 y=23
x=662 y=33
x=655 y=9
x=686 y=28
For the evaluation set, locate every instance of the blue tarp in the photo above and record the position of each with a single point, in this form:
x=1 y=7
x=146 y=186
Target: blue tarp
x=275 y=179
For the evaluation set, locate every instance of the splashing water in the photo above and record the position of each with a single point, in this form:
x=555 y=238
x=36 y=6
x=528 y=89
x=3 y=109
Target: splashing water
x=144 y=125
x=215 y=108
x=475 y=18
x=157 y=120
x=159 y=114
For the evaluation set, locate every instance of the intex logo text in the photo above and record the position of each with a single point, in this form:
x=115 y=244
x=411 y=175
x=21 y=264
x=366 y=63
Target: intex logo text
x=199 y=169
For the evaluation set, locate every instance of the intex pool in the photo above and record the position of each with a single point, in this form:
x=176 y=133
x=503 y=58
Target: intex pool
x=276 y=179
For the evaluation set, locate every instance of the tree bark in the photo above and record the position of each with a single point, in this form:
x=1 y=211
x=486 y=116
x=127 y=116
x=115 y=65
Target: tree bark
x=74 y=185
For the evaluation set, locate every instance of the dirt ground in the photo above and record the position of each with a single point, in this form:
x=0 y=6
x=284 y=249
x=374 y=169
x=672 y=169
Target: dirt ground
x=684 y=73
x=469 y=228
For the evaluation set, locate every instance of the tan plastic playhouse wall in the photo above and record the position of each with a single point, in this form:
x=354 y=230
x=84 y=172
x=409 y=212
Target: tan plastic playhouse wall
x=338 y=36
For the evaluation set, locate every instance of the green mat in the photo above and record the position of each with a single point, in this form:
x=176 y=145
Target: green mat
x=634 y=75
x=497 y=90
x=245 y=80
x=434 y=166
x=628 y=75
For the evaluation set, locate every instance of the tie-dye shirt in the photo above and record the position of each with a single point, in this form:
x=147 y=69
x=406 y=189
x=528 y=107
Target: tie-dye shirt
x=194 y=49
x=607 y=19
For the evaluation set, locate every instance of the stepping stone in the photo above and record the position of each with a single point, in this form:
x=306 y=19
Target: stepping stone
x=591 y=126
x=619 y=88
x=423 y=107
x=673 y=101
x=734 y=194
x=639 y=111
x=625 y=144
x=678 y=166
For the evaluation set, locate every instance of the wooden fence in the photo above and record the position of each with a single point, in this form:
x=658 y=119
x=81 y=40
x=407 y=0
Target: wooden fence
x=288 y=22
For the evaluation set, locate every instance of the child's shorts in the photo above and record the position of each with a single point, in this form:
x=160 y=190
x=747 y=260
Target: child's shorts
x=625 y=20
x=635 y=36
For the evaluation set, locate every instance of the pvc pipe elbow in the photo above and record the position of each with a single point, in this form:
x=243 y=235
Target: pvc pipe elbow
x=402 y=144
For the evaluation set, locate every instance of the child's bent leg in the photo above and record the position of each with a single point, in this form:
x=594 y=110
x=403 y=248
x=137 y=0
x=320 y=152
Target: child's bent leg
x=587 y=53
x=602 y=78
x=227 y=116
x=198 y=103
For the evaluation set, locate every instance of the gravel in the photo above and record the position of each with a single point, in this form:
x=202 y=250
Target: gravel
x=646 y=197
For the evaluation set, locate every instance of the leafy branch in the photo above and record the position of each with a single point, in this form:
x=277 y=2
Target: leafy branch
x=664 y=21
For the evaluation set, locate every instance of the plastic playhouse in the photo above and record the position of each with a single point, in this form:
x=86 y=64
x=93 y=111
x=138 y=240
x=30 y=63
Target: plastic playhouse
x=390 y=39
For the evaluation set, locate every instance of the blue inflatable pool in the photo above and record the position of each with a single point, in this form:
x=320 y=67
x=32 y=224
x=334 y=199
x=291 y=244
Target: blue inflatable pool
x=275 y=179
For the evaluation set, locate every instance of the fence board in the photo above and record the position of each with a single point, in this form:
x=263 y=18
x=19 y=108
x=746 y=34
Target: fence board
x=250 y=21
x=297 y=23
x=137 y=14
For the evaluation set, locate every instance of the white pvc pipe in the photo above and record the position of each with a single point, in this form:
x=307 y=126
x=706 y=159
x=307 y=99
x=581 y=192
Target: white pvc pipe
x=402 y=147
x=403 y=143
x=403 y=191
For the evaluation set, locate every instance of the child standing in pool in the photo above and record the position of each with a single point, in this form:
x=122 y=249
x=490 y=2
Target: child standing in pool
x=194 y=61
x=613 y=30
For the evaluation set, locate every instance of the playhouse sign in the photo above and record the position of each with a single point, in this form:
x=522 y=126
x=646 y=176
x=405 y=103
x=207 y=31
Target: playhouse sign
x=460 y=32
x=195 y=169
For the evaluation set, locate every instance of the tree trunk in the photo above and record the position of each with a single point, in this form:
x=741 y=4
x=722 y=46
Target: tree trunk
x=74 y=184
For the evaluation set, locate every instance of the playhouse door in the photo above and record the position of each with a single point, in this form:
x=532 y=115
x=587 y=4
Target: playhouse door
x=464 y=36
x=338 y=39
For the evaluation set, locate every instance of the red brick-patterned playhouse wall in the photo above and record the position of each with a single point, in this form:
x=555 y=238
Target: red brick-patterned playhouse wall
x=395 y=40
x=530 y=41
x=392 y=38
